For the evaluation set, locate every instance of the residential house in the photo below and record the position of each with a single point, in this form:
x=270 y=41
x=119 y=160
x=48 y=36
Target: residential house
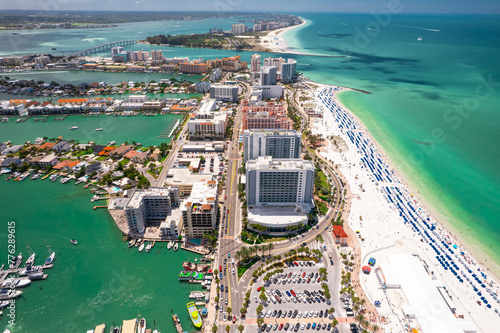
x=61 y=147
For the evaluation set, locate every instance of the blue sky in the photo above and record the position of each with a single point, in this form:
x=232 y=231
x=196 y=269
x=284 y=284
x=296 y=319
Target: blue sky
x=408 y=6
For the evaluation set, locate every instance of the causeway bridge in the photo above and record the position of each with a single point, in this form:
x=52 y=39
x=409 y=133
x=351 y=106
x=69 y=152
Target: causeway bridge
x=102 y=48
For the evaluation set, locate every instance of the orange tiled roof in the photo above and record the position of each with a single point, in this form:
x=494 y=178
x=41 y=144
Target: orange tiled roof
x=131 y=154
x=47 y=145
x=64 y=164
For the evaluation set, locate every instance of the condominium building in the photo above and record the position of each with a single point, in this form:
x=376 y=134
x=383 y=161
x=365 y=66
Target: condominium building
x=268 y=75
x=255 y=63
x=208 y=126
x=156 y=55
x=279 y=193
x=42 y=60
x=224 y=93
x=279 y=182
x=271 y=91
x=194 y=67
x=216 y=74
x=238 y=29
x=116 y=50
x=277 y=144
x=138 y=56
x=199 y=211
x=288 y=70
x=257 y=27
x=176 y=60
x=152 y=205
x=265 y=116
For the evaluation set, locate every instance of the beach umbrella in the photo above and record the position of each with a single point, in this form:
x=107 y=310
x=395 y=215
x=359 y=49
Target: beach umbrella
x=483 y=286
x=479 y=293
x=488 y=306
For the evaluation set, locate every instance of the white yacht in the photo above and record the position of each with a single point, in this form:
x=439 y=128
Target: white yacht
x=50 y=259
x=98 y=129
x=15 y=283
x=65 y=180
x=73 y=127
x=9 y=294
x=31 y=260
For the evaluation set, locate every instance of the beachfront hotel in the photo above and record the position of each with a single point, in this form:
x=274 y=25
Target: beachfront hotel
x=288 y=70
x=265 y=116
x=279 y=193
x=275 y=143
x=226 y=93
x=199 y=211
x=150 y=206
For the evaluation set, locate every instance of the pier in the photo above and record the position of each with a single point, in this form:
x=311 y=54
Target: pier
x=95 y=207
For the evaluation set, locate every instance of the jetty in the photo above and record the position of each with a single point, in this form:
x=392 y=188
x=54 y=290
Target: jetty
x=95 y=207
x=177 y=323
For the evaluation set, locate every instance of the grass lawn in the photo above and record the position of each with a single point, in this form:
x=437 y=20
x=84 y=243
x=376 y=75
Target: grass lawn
x=102 y=158
x=244 y=268
x=124 y=162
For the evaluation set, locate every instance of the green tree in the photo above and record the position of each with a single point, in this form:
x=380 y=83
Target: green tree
x=214 y=328
x=259 y=309
x=228 y=328
x=241 y=328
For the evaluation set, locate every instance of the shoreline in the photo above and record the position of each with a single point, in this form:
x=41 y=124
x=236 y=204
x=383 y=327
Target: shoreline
x=441 y=219
x=349 y=166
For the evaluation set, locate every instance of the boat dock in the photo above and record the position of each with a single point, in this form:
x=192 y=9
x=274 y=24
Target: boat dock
x=177 y=323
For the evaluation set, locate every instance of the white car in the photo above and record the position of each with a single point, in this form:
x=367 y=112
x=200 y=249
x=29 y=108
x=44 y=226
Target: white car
x=263 y=314
x=316 y=313
x=299 y=314
x=225 y=317
x=303 y=326
x=275 y=327
x=273 y=300
x=233 y=271
x=305 y=314
x=311 y=314
x=256 y=300
x=294 y=299
x=268 y=315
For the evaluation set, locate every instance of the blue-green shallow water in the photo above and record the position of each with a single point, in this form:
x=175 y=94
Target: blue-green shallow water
x=99 y=280
x=140 y=129
x=424 y=90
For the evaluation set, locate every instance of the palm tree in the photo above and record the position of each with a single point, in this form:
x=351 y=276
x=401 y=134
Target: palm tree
x=375 y=328
x=270 y=247
x=360 y=318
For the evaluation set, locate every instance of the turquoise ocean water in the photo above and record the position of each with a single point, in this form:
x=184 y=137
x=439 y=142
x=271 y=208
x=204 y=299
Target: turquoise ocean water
x=433 y=79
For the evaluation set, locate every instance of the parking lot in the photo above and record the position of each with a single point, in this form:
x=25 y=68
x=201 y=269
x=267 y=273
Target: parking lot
x=213 y=163
x=294 y=297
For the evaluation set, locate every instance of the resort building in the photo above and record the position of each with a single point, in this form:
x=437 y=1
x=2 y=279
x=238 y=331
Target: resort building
x=150 y=206
x=224 y=93
x=255 y=63
x=199 y=211
x=268 y=75
x=288 y=70
x=271 y=91
x=193 y=67
x=279 y=194
x=277 y=144
x=265 y=116
x=208 y=126
x=238 y=29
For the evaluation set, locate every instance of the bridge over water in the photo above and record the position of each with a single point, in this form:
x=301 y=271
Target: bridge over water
x=102 y=48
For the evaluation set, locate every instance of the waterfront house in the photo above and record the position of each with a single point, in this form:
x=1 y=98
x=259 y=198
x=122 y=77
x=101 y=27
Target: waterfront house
x=93 y=168
x=61 y=147
x=79 y=166
x=131 y=154
x=65 y=165
x=12 y=149
x=47 y=161
x=47 y=145
x=141 y=157
x=9 y=161
x=120 y=151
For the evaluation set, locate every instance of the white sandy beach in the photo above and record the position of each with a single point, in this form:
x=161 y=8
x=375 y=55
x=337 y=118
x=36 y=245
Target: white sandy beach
x=380 y=223
x=275 y=42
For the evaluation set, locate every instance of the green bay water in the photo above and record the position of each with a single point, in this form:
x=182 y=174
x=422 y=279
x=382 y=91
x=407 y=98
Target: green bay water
x=141 y=129
x=100 y=280
x=424 y=73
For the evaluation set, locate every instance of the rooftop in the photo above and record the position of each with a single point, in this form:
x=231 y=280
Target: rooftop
x=277 y=215
x=138 y=195
x=267 y=163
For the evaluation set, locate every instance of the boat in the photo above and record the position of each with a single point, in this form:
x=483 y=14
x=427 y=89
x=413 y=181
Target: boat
x=73 y=127
x=141 y=328
x=98 y=129
x=16 y=260
x=176 y=246
x=36 y=176
x=191 y=266
x=4 y=304
x=5 y=119
x=194 y=315
x=23 y=176
x=9 y=294
x=31 y=260
x=29 y=270
x=50 y=259
x=170 y=244
x=65 y=180
x=148 y=247
x=141 y=247
x=36 y=276
x=74 y=241
x=138 y=243
x=187 y=276
x=18 y=120
x=15 y=283
x=54 y=177
x=132 y=242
